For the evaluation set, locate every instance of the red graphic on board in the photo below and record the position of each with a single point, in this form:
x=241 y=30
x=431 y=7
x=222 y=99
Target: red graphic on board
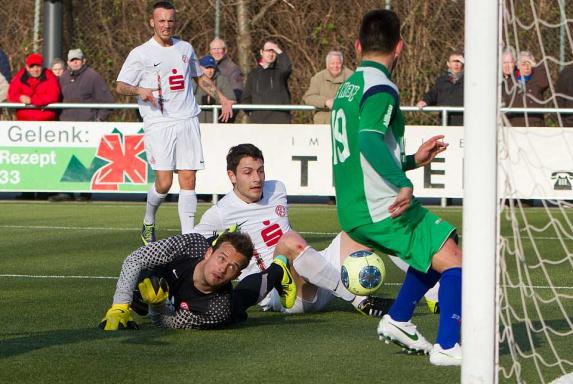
x=123 y=162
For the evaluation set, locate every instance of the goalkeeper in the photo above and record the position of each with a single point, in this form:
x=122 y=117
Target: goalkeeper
x=199 y=279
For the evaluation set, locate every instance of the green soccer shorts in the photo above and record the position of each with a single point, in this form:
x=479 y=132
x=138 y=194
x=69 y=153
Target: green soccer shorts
x=415 y=236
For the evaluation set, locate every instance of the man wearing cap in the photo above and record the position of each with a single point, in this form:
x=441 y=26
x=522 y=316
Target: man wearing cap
x=448 y=90
x=82 y=84
x=37 y=86
x=227 y=67
x=210 y=69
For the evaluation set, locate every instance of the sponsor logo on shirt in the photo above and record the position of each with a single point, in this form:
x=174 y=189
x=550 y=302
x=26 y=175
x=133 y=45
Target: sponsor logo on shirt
x=176 y=82
x=271 y=234
x=184 y=58
x=388 y=115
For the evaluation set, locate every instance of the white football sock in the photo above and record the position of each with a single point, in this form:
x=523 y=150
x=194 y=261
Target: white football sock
x=432 y=294
x=187 y=206
x=154 y=200
x=314 y=268
x=357 y=300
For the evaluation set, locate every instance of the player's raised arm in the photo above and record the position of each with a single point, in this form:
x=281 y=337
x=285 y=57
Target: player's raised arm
x=208 y=85
x=429 y=150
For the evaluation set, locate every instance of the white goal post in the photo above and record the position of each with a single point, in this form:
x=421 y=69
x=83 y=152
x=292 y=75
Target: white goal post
x=480 y=191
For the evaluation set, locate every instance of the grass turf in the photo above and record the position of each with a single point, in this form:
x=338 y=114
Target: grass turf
x=50 y=333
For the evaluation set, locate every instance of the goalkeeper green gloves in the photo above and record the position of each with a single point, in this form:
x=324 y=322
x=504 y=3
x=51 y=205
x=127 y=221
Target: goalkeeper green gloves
x=154 y=291
x=118 y=317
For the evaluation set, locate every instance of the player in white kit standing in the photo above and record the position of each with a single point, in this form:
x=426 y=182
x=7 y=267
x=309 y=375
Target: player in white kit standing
x=159 y=73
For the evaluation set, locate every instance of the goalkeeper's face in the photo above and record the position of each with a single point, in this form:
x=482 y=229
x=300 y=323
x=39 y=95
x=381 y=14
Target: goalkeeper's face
x=248 y=180
x=223 y=265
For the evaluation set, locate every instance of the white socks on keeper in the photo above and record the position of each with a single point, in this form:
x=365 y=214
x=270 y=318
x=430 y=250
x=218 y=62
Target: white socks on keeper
x=187 y=207
x=315 y=269
x=154 y=200
x=432 y=294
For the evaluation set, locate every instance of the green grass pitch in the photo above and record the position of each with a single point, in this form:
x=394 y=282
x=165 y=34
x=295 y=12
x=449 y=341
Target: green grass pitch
x=58 y=264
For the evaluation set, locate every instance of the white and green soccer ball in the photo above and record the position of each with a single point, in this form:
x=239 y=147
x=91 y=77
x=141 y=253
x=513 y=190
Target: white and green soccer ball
x=363 y=272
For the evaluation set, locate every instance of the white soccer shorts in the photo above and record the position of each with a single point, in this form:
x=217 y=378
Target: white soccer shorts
x=321 y=299
x=174 y=145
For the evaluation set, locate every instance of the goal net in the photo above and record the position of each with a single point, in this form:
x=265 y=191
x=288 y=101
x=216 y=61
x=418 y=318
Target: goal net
x=535 y=180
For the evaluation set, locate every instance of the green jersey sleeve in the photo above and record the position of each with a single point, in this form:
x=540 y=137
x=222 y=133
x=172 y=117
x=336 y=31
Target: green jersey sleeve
x=376 y=152
x=376 y=113
x=377 y=110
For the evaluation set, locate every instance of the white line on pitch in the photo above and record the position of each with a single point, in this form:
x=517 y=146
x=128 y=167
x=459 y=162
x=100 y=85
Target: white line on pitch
x=115 y=278
x=70 y=228
x=61 y=277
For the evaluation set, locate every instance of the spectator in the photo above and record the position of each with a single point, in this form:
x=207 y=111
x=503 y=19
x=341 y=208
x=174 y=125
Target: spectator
x=564 y=91
x=526 y=91
x=5 y=66
x=226 y=66
x=37 y=86
x=324 y=84
x=3 y=88
x=58 y=66
x=209 y=68
x=508 y=67
x=268 y=84
x=448 y=90
x=509 y=71
x=82 y=84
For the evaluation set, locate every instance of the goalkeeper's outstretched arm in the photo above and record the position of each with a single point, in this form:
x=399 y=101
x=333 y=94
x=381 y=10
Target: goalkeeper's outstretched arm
x=217 y=315
x=152 y=256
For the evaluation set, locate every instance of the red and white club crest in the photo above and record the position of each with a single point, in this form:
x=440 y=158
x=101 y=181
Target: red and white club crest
x=184 y=306
x=280 y=210
x=184 y=58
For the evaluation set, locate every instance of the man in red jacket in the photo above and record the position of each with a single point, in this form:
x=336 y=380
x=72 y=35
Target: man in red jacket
x=37 y=86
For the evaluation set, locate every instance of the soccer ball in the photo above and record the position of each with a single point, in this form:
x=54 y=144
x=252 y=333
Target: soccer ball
x=362 y=273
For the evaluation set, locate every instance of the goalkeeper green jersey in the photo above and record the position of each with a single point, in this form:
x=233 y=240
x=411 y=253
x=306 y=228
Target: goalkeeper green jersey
x=366 y=113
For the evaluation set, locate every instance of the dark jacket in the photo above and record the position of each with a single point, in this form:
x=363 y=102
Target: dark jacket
x=232 y=71
x=445 y=92
x=5 y=66
x=530 y=94
x=565 y=87
x=84 y=86
x=269 y=86
x=42 y=91
x=202 y=98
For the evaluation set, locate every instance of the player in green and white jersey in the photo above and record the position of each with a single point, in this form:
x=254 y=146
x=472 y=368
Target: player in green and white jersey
x=375 y=197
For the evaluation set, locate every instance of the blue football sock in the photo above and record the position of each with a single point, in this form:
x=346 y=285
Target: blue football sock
x=450 y=296
x=415 y=285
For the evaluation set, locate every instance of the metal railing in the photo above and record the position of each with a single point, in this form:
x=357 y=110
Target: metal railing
x=444 y=111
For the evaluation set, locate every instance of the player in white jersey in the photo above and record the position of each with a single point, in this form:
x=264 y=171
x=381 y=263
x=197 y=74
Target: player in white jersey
x=260 y=207
x=159 y=73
